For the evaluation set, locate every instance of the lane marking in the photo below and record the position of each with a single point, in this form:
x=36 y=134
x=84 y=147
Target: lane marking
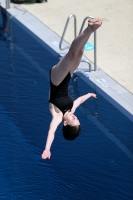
x=103 y=82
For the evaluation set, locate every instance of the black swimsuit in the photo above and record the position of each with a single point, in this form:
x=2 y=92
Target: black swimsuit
x=59 y=95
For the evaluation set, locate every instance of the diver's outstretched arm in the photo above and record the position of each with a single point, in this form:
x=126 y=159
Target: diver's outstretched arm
x=80 y=100
x=87 y=96
x=51 y=133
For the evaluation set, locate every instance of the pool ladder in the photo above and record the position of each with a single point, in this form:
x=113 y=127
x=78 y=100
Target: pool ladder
x=75 y=34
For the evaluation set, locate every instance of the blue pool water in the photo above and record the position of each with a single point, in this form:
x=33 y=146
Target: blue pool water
x=98 y=165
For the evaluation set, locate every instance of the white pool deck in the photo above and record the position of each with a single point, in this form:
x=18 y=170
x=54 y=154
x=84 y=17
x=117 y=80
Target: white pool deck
x=110 y=86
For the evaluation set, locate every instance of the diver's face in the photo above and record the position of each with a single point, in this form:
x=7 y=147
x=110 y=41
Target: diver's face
x=70 y=119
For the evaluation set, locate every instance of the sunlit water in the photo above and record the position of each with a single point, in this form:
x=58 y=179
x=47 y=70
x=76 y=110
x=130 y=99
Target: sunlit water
x=93 y=167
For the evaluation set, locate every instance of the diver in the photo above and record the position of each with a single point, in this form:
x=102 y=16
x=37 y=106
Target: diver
x=61 y=105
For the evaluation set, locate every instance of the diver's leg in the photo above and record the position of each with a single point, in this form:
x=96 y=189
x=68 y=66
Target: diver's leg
x=59 y=71
x=77 y=61
x=79 y=56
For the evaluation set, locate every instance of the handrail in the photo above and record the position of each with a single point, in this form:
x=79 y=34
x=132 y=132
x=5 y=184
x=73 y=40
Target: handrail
x=95 y=60
x=7 y=4
x=63 y=34
x=87 y=61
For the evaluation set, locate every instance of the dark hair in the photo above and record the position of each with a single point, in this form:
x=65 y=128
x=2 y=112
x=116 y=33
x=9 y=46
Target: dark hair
x=71 y=132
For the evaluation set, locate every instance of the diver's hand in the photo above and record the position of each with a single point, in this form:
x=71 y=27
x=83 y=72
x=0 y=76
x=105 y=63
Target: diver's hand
x=46 y=154
x=93 y=95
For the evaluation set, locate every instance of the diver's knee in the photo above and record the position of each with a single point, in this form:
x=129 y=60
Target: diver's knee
x=80 y=52
x=75 y=53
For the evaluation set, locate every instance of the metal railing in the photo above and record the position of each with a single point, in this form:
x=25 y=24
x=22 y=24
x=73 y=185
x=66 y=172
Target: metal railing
x=87 y=61
x=75 y=34
x=7 y=4
x=63 y=34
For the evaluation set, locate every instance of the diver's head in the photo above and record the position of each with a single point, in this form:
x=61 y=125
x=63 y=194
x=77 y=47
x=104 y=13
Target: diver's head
x=70 y=119
x=71 y=126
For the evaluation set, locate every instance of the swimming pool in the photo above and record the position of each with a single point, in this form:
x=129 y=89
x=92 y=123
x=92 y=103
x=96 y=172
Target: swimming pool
x=97 y=165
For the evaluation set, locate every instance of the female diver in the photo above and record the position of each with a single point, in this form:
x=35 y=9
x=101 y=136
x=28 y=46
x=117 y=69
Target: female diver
x=61 y=105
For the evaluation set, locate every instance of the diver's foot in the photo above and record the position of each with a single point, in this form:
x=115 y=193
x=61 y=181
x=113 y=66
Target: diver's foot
x=94 y=24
